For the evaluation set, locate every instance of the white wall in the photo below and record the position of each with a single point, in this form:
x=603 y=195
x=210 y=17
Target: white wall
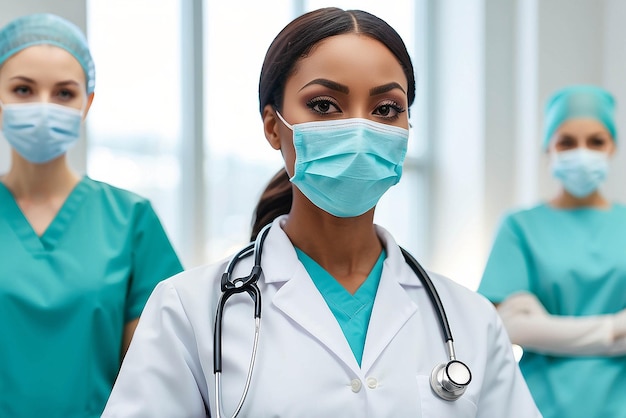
x=73 y=10
x=457 y=132
x=614 y=78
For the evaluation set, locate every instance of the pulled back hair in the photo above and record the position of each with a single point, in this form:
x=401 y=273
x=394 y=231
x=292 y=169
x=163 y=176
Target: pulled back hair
x=275 y=201
x=295 y=42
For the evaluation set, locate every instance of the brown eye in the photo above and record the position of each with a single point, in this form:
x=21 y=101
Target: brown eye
x=389 y=110
x=323 y=106
x=597 y=142
x=384 y=110
x=65 y=95
x=566 y=142
x=22 y=90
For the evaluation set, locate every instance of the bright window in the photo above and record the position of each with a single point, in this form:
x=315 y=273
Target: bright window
x=134 y=123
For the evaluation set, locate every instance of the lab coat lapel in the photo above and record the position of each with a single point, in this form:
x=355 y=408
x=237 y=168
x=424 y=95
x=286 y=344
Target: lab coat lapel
x=300 y=300
x=393 y=307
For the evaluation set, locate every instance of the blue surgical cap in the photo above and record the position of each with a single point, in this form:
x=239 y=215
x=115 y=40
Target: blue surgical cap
x=49 y=29
x=575 y=102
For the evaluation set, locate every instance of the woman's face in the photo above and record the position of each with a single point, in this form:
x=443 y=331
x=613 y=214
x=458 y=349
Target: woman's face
x=582 y=133
x=344 y=76
x=44 y=73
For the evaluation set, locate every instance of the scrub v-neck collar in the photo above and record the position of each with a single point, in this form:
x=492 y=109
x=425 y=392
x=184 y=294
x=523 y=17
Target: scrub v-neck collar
x=352 y=311
x=53 y=233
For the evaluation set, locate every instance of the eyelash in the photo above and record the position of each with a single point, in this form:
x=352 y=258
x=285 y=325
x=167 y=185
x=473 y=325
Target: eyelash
x=63 y=94
x=21 y=90
x=313 y=103
x=70 y=94
x=393 y=105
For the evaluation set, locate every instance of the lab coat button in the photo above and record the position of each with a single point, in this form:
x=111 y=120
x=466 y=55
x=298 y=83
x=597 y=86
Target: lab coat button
x=356 y=385
x=372 y=383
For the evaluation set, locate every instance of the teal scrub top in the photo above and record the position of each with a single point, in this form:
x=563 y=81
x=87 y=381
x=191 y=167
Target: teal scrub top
x=574 y=261
x=65 y=297
x=352 y=312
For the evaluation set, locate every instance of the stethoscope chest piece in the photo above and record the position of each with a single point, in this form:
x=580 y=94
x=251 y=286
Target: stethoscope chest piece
x=449 y=380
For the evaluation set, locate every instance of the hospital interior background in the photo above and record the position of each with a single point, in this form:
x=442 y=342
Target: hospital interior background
x=175 y=116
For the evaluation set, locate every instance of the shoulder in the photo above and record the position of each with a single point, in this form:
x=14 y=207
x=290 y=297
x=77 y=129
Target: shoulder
x=458 y=295
x=450 y=292
x=117 y=201
x=109 y=191
x=521 y=221
x=619 y=208
x=521 y=215
x=199 y=284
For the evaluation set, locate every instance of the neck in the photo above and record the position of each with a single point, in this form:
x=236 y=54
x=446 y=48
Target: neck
x=345 y=247
x=565 y=200
x=39 y=181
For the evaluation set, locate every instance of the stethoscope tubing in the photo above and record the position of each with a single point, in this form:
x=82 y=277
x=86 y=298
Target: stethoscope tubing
x=432 y=294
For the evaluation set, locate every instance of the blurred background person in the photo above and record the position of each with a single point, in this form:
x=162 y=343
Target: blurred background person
x=557 y=271
x=79 y=257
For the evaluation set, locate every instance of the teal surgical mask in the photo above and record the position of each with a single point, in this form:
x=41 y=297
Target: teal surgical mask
x=41 y=132
x=345 y=166
x=581 y=171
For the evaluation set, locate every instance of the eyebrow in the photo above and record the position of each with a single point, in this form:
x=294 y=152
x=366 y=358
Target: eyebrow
x=328 y=83
x=333 y=85
x=20 y=77
x=385 y=88
x=598 y=134
x=31 y=81
x=68 y=82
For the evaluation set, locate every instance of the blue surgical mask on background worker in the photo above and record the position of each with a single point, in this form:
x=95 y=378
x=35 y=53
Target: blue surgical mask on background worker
x=41 y=131
x=581 y=170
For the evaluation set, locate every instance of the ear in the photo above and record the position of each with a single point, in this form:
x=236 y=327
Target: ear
x=89 y=101
x=271 y=123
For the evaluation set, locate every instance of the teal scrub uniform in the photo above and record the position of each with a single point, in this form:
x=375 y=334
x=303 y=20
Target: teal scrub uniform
x=65 y=297
x=352 y=311
x=574 y=261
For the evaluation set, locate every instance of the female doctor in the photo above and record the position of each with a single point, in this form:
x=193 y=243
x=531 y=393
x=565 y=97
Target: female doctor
x=347 y=328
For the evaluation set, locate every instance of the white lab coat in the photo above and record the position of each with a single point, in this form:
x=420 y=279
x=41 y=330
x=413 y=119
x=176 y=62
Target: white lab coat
x=305 y=367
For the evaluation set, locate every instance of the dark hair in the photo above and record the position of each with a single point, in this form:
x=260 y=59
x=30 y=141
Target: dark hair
x=294 y=42
x=275 y=201
x=297 y=39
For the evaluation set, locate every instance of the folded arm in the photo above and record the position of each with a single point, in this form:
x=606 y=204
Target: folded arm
x=531 y=326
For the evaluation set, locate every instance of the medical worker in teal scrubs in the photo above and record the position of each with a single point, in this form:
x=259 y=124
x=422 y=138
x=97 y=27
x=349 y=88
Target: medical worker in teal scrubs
x=557 y=271
x=78 y=258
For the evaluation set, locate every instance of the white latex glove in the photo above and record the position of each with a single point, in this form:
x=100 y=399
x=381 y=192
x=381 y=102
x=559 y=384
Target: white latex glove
x=619 y=324
x=532 y=327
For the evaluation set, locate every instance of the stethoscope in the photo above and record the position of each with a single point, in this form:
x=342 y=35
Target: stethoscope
x=448 y=380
